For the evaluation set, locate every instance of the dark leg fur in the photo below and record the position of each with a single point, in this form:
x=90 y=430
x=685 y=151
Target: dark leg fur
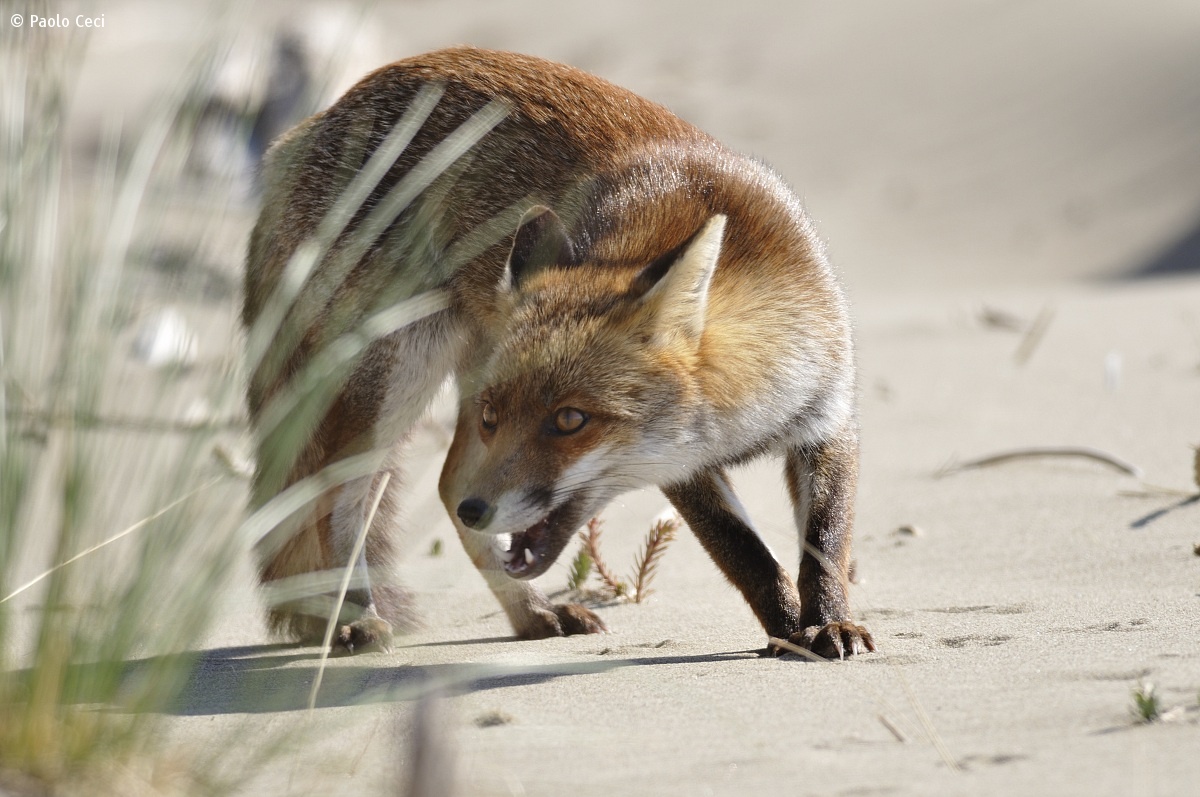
x=822 y=481
x=708 y=504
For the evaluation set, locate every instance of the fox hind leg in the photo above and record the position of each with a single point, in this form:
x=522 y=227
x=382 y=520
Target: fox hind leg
x=381 y=401
x=372 y=605
x=418 y=359
x=821 y=480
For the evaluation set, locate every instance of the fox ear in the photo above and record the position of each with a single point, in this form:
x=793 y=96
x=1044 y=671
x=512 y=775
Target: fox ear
x=541 y=241
x=676 y=286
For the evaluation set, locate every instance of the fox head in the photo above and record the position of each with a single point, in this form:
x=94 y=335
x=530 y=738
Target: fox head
x=589 y=392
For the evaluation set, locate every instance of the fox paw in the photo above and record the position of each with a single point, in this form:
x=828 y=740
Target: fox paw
x=365 y=633
x=835 y=640
x=564 y=619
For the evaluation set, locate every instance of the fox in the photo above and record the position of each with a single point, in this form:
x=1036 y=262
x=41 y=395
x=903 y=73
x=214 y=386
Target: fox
x=644 y=307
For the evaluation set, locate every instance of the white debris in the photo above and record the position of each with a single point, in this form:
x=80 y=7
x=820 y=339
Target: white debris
x=164 y=339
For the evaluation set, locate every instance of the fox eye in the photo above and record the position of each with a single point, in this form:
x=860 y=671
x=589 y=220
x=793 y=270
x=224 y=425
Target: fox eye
x=488 y=415
x=569 y=420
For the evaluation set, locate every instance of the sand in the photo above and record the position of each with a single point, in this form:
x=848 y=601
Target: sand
x=973 y=166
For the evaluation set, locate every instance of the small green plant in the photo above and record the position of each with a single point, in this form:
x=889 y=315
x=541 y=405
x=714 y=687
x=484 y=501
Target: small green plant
x=1147 y=706
x=581 y=568
x=645 y=565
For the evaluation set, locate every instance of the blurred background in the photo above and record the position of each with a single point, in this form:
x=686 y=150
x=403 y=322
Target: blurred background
x=938 y=143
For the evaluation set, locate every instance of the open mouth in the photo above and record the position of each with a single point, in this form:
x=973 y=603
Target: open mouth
x=529 y=553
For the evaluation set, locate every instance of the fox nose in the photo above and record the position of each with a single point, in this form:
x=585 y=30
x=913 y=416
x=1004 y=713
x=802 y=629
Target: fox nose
x=471 y=511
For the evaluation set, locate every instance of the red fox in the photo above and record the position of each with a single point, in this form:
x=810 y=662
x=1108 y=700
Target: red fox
x=654 y=310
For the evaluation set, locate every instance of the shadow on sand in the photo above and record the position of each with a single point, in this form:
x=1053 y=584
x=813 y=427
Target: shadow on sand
x=1180 y=257
x=278 y=678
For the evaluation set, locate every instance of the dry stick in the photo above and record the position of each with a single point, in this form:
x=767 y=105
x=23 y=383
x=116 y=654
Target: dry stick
x=140 y=524
x=1047 y=451
x=887 y=723
x=927 y=726
x=337 y=606
x=926 y=723
x=1152 y=490
x=1034 y=336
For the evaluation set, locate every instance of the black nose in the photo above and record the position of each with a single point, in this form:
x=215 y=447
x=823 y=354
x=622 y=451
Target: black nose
x=471 y=511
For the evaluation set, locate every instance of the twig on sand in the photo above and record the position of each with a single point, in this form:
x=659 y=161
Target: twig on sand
x=1045 y=451
x=922 y=716
x=1033 y=337
x=887 y=723
x=1156 y=491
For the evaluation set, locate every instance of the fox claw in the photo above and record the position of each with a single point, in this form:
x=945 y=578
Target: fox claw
x=365 y=633
x=837 y=640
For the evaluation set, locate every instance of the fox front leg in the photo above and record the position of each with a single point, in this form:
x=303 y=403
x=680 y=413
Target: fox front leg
x=530 y=612
x=715 y=515
x=822 y=480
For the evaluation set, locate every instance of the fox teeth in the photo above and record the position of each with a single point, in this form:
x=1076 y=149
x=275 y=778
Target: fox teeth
x=504 y=542
x=528 y=557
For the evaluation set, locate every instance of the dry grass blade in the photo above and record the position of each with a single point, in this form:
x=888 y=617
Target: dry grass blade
x=139 y=525
x=343 y=588
x=323 y=370
x=591 y=541
x=645 y=566
x=300 y=266
x=263 y=528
